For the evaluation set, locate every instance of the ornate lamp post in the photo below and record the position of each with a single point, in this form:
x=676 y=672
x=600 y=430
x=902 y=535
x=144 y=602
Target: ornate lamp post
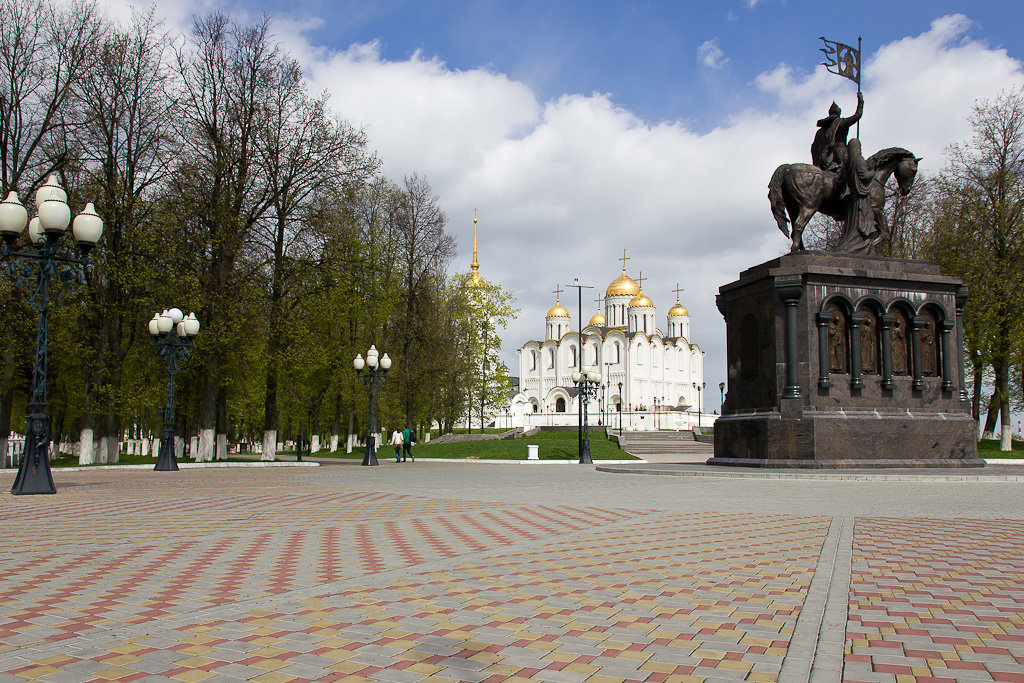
x=173 y=335
x=373 y=379
x=587 y=383
x=33 y=270
x=620 y=407
x=721 y=391
x=699 y=404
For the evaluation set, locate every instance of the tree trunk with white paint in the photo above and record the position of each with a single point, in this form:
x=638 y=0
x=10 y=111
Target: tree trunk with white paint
x=86 y=455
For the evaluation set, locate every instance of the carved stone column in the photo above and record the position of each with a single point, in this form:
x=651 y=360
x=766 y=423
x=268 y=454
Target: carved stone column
x=947 y=359
x=961 y=301
x=856 y=320
x=886 y=322
x=823 y=319
x=916 y=323
x=790 y=293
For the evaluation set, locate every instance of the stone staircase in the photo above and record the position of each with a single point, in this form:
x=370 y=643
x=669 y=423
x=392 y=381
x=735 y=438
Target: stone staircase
x=666 y=445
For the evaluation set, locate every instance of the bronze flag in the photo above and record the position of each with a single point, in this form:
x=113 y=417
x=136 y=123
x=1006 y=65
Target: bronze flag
x=842 y=60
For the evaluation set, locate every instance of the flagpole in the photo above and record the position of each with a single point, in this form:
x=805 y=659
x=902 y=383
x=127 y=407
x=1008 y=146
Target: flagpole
x=859 y=68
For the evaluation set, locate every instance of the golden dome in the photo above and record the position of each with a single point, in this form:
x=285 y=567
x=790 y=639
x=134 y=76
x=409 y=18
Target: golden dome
x=558 y=311
x=474 y=280
x=598 y=319
x=623 y=285
x=640 y=299
x=678 y=309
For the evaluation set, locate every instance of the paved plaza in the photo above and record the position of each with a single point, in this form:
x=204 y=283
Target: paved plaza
x=473 y=572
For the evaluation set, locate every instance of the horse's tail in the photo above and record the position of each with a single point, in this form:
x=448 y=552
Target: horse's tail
x=775 y=197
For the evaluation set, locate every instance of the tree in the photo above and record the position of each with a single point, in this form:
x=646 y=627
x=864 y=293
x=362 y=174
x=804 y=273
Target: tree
x=308 y=155
x=979 y=235
x=227 y=75
x=126 y=142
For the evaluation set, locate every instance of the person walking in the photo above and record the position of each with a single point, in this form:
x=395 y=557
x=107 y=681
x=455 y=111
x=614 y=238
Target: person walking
x=407 y=441
x=397 y=441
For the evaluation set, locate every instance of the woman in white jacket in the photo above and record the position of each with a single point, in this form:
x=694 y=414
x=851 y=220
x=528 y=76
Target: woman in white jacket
x=396 y=441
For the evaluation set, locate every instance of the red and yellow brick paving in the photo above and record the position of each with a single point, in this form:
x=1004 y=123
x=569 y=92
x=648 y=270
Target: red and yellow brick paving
x=936 y=600
x=190 y=585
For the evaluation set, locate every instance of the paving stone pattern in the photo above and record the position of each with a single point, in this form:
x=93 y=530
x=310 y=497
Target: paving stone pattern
x=937 y=600
x=275 y=576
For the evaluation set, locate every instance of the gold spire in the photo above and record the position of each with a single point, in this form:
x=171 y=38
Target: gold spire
x=474 y=279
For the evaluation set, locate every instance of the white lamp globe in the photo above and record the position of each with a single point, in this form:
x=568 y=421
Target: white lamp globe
x=176 y=315
x=359 y=363
x=154 y=325
x=371 y=360
x=576 y=376
x=385 y=362
x=594 y=376
x=54 y=216
x=51 y=189
x=165 y=323
x=88 y=226
x=180 y=328
x=192 y=325
x=35 y=232
x=13 y=216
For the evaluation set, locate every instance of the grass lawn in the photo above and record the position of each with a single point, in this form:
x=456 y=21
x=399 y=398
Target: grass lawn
x=989 y=448
x=67 y=460
x=553 y=446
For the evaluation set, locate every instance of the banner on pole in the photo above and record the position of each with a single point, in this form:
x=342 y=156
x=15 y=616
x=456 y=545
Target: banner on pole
x=842 y=60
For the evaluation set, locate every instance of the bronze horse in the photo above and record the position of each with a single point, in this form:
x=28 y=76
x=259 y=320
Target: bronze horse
x=798 y=191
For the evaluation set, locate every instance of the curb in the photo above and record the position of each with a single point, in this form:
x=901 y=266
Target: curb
x=181 y=465
x=762 y=474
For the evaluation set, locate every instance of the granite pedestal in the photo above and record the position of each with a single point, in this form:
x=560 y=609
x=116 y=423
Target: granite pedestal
x=841 y=361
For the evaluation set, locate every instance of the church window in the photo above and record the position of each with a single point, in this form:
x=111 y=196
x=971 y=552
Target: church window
x=596 y=361
x=560 y=405
x=533 y=360
x=551 y=358
x=645 y=324
x=573 y=350
x=618 y=358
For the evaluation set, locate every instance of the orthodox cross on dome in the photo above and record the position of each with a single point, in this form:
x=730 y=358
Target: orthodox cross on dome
x=640 y=280
x=557 y=291
x=624 y=259
x=599 y=301
x=678 y=290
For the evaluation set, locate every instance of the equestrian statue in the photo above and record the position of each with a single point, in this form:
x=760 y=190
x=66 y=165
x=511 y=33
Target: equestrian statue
x=841 y=183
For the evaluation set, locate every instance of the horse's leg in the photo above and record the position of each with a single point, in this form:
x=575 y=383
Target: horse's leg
x=799 y=223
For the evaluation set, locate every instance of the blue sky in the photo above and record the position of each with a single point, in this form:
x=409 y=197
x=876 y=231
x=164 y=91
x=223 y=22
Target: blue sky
x=578 y=129
x=644 y=53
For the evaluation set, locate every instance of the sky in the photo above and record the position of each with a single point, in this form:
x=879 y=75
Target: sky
x=579 y=129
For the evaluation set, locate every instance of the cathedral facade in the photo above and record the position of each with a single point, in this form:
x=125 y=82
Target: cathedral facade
x=651 y=374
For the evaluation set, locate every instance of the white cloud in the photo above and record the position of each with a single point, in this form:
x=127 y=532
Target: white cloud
x=710 y=55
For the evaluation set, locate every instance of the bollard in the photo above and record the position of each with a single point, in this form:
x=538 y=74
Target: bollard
x=532 y=452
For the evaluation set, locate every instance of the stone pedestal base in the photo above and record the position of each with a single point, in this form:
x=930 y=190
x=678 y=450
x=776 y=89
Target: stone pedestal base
x=838 y=361
x=845 y=440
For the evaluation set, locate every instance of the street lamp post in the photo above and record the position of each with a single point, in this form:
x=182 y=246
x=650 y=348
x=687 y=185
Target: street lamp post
x=620 y=408
x=721 y=390
x=173 y=335
x=34 y=270
x=373 y=379
x=657 y=421
x=587 y=382
x=699 y=404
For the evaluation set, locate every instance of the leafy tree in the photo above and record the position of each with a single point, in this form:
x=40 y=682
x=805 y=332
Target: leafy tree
x=979 y=235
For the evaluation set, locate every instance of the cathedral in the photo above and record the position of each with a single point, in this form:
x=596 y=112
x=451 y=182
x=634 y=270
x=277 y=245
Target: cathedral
x=655 y=377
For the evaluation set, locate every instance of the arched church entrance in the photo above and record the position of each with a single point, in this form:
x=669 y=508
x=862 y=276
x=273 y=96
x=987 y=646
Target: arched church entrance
x=560 y=405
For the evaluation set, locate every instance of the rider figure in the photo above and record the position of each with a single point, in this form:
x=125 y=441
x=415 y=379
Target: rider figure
x=828 y=151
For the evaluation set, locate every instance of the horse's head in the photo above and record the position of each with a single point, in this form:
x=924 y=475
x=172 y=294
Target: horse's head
x=906 y=171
